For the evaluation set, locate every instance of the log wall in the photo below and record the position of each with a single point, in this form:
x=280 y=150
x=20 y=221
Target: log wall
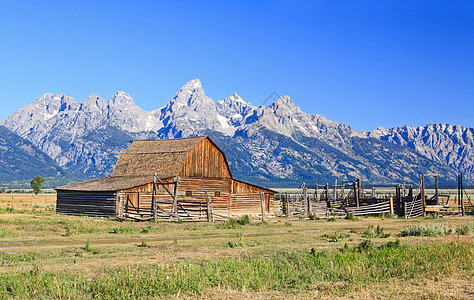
x=96 y=204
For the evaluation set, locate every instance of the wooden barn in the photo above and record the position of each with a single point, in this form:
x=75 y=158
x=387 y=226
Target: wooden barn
x=165 y=179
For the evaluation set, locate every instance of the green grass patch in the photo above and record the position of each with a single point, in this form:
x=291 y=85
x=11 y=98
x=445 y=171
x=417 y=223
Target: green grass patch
x=349 y=268
x=437 y=230
x=378 y=232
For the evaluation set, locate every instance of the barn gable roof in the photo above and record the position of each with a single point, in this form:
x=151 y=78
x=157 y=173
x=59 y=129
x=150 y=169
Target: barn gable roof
x=146 y=157
x=109 y=184
x=137 y=164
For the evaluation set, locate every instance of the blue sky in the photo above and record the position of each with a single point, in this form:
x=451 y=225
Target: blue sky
x=362 y=63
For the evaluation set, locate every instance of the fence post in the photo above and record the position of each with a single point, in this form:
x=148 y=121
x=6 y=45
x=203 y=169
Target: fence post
x=153 y=199
x=326 y=192
x=310 y=208
x=175 y=197
x=356 y=194
x=210 y=215
x=316 y=192
x=391 y=205
x=342 y=190
x=305 y=200
x=461 y=195
x=12 y=201
x=262 y=204
x=422 y=183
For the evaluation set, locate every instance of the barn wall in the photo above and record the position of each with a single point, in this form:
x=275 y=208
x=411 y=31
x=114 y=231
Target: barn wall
x=205 y=160
x=203 y=187
x=96 y=204
x=141 y=196
x=244 y=200
x=250 y=204
x=240 y=187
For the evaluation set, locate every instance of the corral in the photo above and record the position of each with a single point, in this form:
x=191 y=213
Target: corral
x=189 y=179
x=350 y=197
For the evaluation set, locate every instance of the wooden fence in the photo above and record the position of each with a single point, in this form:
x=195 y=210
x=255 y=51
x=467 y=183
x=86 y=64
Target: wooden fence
x=412 y=209
x=165 y=210
x=295 y=205
x=385 y=207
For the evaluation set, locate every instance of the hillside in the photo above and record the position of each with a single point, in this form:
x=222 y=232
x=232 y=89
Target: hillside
x=21 y=160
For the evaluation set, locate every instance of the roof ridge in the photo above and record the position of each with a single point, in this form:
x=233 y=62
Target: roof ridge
x=169 y=140
x=129 y=153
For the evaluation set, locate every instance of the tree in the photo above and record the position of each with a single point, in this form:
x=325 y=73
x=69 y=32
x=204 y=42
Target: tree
x=36 y=184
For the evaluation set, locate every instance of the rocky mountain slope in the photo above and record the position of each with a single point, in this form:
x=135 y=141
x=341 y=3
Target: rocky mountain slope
x=444 y=143
x=267 y=145
x=20 y=159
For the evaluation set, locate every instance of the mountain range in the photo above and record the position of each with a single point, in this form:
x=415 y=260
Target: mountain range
x=275 y=145
x=20 y=159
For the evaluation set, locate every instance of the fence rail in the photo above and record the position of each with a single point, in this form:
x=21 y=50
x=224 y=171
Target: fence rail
x=294 y=205
x=413 y=208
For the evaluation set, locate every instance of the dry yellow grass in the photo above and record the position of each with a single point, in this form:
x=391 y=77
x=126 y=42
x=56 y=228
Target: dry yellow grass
x=39 y=239
x=26 y=201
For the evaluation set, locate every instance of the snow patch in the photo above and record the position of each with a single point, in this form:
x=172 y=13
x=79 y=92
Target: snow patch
x=223 y=121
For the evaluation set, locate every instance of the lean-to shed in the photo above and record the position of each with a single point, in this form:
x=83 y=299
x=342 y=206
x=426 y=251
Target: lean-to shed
x=166 y=178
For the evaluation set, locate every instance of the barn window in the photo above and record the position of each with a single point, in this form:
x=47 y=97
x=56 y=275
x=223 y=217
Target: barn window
x=189 y=193
x=217 y=194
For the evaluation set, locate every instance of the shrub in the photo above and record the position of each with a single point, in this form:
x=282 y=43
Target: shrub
x=333 y=238
x=431 y=216
x=349 y=216
x=464 y=229
x=116 y=230
x=244 y=220
x=231 y=245
x=437 y=230
x=262 y=223
x=230 y=224
x=143 y=244
x=366 y=246
x=370 y=232
x=392 y=244
x=145 y=229
x=88 y=248
x=68 y=231
x=331 y=219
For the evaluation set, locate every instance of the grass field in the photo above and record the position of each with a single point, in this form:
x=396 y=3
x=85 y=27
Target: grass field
x=27 y=201
x=45 y=256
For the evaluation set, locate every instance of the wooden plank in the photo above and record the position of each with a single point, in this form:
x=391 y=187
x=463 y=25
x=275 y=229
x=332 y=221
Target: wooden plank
x=432 y=209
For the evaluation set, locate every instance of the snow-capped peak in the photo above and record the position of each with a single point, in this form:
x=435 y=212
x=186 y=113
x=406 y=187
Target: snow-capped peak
x=192 y=84
x=121 y=99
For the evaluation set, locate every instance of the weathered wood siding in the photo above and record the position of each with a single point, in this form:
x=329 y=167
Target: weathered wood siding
x=246 y=199
x=141 y=197
x=229 y=197
x=97 y=204
x=205 y=160
x=203 y=187
x=240 y=187
x=250 y=204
